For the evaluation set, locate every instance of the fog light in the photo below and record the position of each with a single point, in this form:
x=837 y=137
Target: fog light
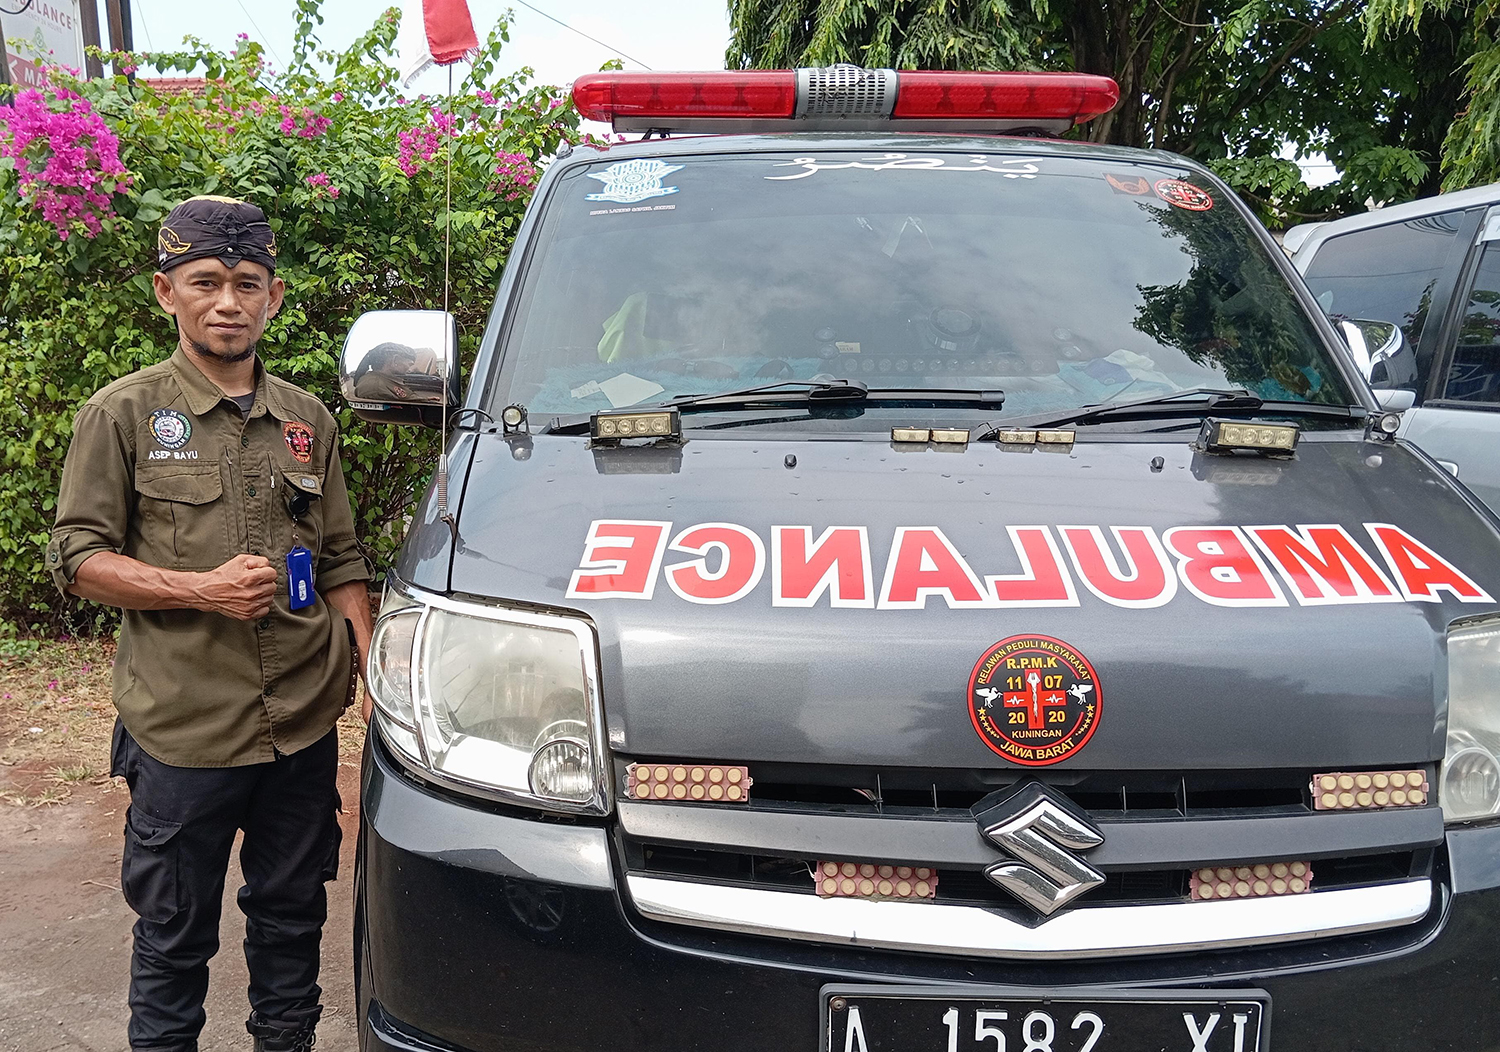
x=1251 y=882
x=868 y=880
x=561 y=770
x=657 y=423
x=1358 y=790
x=1471 y=780
x=688 y=783
x=1222 y=436
x=513 y=418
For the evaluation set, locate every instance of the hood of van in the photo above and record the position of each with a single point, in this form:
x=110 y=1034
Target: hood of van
x=859 y=603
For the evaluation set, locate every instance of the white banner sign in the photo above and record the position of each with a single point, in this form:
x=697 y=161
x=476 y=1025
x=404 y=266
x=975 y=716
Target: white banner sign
x=52 y=32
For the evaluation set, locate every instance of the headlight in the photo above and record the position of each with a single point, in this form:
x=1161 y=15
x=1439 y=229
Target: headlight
x=388 y=672
x=485 y=698
x=1470 y=785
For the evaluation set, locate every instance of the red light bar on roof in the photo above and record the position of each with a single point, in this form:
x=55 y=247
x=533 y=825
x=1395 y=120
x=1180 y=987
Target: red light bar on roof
x=843 y=98
x=1074 y=97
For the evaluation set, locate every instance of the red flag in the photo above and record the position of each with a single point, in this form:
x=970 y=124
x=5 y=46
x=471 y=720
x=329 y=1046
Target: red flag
x=450 y=30
x=437 y=32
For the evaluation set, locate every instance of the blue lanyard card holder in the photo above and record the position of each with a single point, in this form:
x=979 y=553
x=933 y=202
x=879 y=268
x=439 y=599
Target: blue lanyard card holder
x=299 y=578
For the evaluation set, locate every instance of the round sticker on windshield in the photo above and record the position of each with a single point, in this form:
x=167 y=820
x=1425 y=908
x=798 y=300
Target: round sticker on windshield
x=1034 y=700
x=1183 y=195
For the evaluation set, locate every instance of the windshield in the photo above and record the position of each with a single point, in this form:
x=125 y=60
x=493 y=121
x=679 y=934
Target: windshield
x=1062 y=281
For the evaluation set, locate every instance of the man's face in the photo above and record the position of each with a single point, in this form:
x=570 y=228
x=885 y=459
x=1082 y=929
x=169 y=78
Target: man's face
x=221 y=311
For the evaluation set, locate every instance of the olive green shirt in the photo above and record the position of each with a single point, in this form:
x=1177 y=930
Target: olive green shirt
x=164 y=468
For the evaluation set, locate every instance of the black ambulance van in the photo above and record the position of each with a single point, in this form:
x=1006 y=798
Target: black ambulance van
x=901 y=581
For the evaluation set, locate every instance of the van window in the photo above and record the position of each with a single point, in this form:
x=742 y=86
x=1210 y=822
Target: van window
x=1474 y=375
x=1060 y=280
x=1387 y=273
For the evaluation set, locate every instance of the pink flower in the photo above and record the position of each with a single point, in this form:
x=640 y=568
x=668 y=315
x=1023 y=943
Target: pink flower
x=304 y=123
x=66 y=158
x=52 y=685
x=418 y=145
x=338 y=96
x=485 y=97
x=86 y=668
x=242 y=36
x=517 y=174
x=322 y=186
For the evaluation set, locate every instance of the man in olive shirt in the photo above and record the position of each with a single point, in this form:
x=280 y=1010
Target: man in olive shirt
x=190 y=492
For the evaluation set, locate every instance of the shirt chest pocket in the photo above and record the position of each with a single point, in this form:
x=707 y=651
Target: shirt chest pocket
x=184 y=521
x=302 y=496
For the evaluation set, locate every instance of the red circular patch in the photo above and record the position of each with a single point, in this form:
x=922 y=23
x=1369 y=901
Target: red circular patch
x=1034 y=700
x=1183 y=195
x=299 y=439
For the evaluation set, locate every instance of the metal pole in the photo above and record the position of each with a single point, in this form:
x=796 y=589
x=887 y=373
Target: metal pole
x=88 y=13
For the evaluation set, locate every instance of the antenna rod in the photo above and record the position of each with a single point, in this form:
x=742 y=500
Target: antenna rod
x=448 y=353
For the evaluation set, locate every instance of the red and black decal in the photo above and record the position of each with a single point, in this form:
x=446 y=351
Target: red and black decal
x=1183 y=195
x=299 y=439
x=1134 y=185
x=1034 y=700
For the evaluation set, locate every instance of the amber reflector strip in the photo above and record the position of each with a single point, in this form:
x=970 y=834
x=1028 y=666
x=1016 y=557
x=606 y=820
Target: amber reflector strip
x=1251 y=882
x=694 y=783
x=867 y=880
x=1359 y=790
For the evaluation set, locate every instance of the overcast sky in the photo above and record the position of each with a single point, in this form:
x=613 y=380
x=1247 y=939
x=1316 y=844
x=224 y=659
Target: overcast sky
x=662 y=34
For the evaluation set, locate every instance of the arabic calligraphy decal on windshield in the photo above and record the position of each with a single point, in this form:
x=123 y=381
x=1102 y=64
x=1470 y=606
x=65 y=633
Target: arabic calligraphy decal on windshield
x=887 y=162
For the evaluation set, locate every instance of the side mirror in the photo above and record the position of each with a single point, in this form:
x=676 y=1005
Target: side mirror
x=1382 y=352
x=401 y=366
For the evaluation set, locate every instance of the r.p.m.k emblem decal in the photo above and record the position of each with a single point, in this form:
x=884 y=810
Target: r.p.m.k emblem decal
x=1034 y=700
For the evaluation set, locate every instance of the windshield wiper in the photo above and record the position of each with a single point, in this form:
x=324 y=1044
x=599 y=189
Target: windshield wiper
x=838 y=391
x=789 y=390
x=1194 y=402
x=809 y=393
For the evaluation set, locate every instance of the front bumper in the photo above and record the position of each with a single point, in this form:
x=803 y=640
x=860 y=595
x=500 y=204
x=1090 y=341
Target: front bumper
x=479 y=931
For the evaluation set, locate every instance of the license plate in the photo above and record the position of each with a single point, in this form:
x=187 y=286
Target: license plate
x=932 y=1019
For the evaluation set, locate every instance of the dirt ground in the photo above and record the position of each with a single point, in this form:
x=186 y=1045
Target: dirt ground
x=64 y=927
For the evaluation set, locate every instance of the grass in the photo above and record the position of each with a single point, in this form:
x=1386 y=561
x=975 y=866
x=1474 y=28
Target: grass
x=57 y=718
x=81 y=772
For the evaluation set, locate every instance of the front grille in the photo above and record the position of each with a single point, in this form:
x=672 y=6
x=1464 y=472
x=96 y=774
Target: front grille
x=970 y=886
x=1104 y=795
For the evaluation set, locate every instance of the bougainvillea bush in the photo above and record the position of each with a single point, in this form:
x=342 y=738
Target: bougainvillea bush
x=349 y=170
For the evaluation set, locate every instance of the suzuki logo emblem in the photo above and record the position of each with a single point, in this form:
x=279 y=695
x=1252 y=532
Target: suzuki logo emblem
x=1040 y=831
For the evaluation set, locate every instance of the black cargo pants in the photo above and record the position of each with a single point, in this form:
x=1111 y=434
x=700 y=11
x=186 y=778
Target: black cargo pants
x=179 y=830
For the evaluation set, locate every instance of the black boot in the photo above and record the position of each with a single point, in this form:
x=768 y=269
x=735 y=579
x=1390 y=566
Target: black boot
x=275 y=1039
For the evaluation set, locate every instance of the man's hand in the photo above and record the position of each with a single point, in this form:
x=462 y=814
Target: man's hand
x=352 y=599
x=242 y=588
